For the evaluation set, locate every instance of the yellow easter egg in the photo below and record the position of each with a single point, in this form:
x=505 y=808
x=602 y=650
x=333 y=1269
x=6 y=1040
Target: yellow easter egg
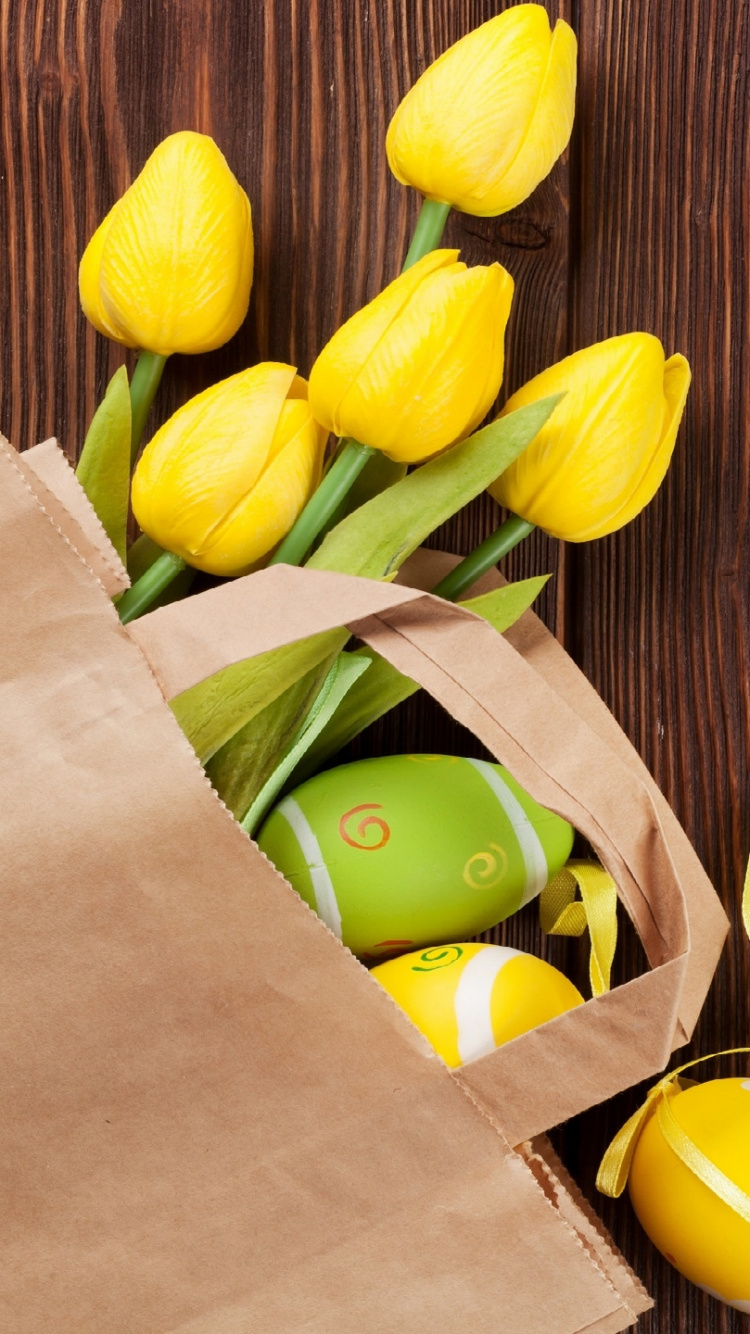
x=470 y=998
x=691 y=1225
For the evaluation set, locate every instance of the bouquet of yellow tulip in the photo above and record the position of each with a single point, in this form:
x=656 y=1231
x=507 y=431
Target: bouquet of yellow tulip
x=237 y=478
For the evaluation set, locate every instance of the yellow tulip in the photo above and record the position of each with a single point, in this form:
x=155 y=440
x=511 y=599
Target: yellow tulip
x=417 y=369
x=171 y=266
x=225 y=478
x=603 y=453
x=487 y=121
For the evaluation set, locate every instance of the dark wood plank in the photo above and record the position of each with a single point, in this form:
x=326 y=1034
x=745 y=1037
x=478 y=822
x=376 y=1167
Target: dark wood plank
x=641 y=226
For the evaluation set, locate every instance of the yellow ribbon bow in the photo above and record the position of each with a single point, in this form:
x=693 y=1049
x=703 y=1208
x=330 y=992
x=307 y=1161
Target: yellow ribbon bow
x=561 y=914
x=615 y=1166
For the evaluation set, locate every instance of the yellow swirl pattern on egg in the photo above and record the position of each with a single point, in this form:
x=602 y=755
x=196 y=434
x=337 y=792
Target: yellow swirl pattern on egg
x=491 y=871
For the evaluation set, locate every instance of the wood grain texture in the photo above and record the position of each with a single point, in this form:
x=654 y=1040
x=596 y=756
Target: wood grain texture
x=661 y=201
x=642 y=225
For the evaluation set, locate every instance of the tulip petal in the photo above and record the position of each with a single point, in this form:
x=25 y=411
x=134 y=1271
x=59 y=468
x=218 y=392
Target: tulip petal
x=431 y=371
x=202 y=462
x=344 y=356
x=89 y=289
x=466 y=373
x=549 y=129
x=266 y=513
x=618 y=432
x=298 y=388
x=677 y=378
x=295 y=415
x=177 y=257
x=496 y=361
x=589 y=458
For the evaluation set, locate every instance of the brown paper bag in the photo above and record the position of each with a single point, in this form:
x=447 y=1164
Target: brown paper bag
x=213 y=1120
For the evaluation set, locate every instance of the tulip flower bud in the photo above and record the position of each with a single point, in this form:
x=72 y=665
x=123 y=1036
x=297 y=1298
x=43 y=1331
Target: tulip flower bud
x=417 y=369
x=603 y=453
x=487 y=121
x=225 y=478
x=170 y=267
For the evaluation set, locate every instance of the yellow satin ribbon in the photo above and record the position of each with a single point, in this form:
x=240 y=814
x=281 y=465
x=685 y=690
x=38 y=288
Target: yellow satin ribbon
x=562 y=914
x=615 y=1165
x=746 y=900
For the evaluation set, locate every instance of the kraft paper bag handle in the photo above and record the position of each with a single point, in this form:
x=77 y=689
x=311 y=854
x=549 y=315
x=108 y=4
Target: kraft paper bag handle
x=486 y=684
x=469 y=669
x=547 y=656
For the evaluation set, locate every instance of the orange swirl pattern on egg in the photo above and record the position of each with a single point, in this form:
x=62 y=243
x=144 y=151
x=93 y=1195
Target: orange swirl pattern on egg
x=369 y=822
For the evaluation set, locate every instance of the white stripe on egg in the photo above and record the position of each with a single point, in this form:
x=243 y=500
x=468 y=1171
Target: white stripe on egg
x=472 y=1001
x=537 y=870
x=326 y=904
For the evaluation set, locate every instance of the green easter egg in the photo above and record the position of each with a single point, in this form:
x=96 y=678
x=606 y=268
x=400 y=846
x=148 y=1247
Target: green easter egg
x=409 y=850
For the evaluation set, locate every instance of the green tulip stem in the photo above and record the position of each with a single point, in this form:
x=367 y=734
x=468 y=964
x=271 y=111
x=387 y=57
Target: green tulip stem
x=146 y=590
x=428 y=232
x=334 y=486
x=483 y=557
x=143 y=386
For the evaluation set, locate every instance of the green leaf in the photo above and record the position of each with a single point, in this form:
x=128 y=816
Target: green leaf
x=345 y=671
x=211 y=712
x=378 y=474
x=378 y=537
x=381 y=690
x=104 y=466
x=246 y=761
x=502 y=607
x=384 y=687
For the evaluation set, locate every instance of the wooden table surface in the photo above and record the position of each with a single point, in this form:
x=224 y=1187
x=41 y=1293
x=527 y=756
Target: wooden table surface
x=643 y=225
